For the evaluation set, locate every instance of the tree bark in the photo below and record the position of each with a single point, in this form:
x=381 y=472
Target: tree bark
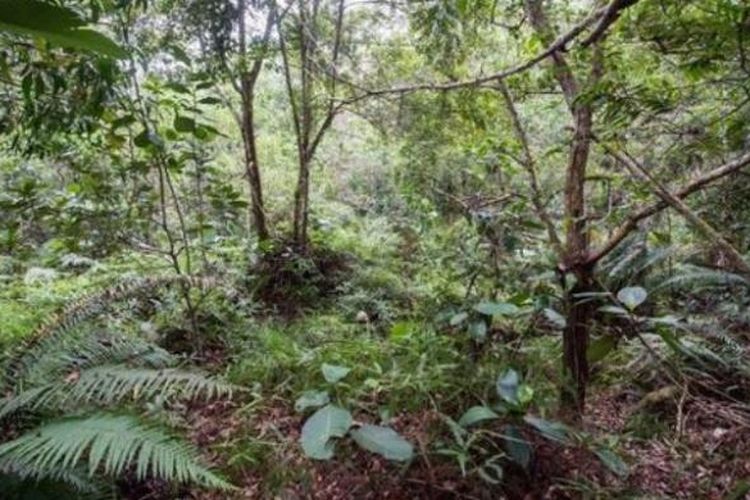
x=252 y=170
x=576 y=246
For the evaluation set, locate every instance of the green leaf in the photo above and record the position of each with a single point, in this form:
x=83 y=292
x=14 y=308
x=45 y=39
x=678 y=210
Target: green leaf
x=210 y=100
x=184 y=124
x=632 y=296
x=555 y=318
x=459 y=318
x=325 y=424
x=476 y=414
x=612 y=462
x=517 y=447
x=616 y=310
x=334 y=373
x=554 y=431
x=496 y=308
x=401 y=330
x=599 y=348
x=384 y=441
x=507 y=386
x=58 y=25
x=311 y=399
x=478 y=331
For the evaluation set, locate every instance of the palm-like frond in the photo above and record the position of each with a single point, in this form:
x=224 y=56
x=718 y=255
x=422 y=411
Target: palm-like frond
x=88 y=306
x=110 y=444
x=84 y=351
x=700 y=277
x=109 y=385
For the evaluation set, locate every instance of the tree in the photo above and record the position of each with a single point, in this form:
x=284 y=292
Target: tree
x=312 y=93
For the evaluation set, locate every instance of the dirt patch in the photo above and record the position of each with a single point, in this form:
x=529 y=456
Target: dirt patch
x=290 y=279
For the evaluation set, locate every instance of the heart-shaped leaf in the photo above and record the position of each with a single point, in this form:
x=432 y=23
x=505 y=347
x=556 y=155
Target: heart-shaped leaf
x=324 y=425
x=507 y=386
x=478 y=331
x=632 y=296
x=384 y=441
x=459 y=318
x=554 y=317
x=311 y=399
x=334 y=373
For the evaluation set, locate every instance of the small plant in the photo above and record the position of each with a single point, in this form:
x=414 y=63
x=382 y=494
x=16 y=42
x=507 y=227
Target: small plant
x=331 y=421
x=489 y=449
x=81 y=404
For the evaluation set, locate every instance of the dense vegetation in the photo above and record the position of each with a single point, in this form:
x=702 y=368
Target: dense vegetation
x=372 y=249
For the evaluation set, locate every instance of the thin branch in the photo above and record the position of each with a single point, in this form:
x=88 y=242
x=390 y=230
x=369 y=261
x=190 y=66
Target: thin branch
x=610 y=16
x=529 y=164
x=701 y=182
x=703 y=227
x=559 y=44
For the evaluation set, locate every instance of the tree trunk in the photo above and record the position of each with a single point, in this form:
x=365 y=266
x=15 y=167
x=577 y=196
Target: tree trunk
x=252 y=170
x=575 y=344
x=301 y=201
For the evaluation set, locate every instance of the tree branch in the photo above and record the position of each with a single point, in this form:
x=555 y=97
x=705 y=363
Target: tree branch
x=632 y=222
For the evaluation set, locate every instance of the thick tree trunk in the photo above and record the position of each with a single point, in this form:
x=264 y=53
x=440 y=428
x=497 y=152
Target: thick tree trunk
x=252 y=170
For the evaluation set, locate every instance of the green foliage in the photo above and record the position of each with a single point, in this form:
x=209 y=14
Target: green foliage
x=111 y=443
x=58 y=25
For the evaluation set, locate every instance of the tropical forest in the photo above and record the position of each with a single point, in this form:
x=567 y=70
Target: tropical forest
x=374 y=249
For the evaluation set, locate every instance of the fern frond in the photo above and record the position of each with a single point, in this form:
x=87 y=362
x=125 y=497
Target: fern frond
x=110 y=444
x=74 y=353
x=109 y=385
x=88 y=306
x=699 y=277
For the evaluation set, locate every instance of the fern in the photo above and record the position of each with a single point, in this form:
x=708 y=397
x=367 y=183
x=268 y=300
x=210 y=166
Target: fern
x=74 y=353
x=110 y=444
x=699 y=277
x=109 y=385
x=88 y=306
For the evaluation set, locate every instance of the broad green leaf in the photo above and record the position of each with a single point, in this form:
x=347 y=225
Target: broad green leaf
x=554 y=431
x=459 y=318
x=334 y=373
x=478 y=331
x=555 y=318
x=517 y=447
x=58 y=25
x=384 y=441
x=496 y=308
x=325 y=424
x=311 y=399
x=599 y=348
x=507 y=386
x=612 y=462
x=476 y=414
x=632 y=296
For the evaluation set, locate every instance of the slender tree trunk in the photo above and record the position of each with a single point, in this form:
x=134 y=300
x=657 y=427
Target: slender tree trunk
x=575 y=259
x=252 y=170
x=302 y=201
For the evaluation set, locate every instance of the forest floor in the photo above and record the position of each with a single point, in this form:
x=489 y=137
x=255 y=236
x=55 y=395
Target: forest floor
x=412 y=369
